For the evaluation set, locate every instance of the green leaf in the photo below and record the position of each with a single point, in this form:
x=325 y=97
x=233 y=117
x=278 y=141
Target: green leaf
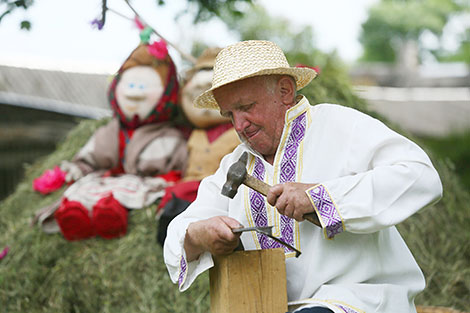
x=26 y=25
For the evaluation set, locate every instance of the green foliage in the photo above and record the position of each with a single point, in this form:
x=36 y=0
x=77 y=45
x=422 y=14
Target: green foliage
x=392 y=22
x=207 y=9
x=257 y=24
x=461 y=55
x=26 y=25
x=455 y=151
x=8 y=6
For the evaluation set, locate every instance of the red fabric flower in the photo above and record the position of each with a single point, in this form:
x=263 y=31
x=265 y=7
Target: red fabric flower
x=49 y=181
x=158 y=49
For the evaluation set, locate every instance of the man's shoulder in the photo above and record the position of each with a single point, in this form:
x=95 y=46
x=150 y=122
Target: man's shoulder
x=333 y=107
x=335 y=110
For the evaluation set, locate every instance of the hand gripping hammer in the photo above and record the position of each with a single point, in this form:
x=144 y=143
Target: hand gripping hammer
x=238 y=175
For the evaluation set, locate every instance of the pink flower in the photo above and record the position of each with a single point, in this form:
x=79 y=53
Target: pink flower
x=158 y=49
x=4 y=252
x=49 y=181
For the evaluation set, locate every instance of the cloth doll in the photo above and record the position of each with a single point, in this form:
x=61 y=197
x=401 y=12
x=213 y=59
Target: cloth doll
x=122 y=165
x=211 y=138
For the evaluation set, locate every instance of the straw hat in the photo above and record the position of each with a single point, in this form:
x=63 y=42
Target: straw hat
x=248 y=59
x=205 y=61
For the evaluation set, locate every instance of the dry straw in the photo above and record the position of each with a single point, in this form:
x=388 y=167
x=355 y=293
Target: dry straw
x=249 y=59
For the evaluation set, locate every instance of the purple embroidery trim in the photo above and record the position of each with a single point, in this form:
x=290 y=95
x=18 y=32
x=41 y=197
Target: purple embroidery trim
x=327 y=210
x=258 y=208
x=288 y=173
x=183 y=268
x=345 y=309
x=289 y=159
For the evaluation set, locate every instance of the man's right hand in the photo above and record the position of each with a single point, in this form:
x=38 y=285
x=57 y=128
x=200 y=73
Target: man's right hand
x=214 y=235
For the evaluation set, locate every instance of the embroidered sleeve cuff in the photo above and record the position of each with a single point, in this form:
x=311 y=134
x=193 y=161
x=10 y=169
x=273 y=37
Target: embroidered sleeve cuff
x=326 y=210
x=183 y=272
x=189 y=271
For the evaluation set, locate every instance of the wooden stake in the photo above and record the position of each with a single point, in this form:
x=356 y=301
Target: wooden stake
x=249 y=282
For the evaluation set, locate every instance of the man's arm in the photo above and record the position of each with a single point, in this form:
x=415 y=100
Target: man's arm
x=386 y=179
x=186 y=250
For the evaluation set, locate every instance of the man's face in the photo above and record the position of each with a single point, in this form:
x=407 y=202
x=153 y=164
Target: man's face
x=257 y=113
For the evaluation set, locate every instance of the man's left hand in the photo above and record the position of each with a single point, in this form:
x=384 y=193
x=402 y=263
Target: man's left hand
x=290 y=199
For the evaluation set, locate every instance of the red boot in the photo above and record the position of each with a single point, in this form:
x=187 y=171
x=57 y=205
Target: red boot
x=109 y=218
x=74 y=220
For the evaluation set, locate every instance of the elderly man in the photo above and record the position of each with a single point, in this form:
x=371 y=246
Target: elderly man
x=359 y=177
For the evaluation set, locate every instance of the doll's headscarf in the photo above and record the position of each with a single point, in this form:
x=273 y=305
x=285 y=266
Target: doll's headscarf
x=154 y=55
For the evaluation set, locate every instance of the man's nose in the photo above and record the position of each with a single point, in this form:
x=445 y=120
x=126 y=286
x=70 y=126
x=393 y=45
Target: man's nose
x=239 y=121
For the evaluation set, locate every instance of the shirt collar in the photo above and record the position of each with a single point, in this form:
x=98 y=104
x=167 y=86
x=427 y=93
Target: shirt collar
x=301 y=106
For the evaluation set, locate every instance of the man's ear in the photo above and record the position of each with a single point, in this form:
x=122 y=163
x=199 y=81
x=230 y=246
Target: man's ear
x=287 y=90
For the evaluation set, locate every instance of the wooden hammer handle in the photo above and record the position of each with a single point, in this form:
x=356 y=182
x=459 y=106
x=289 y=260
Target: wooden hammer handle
x=263 y=189
x=312 y=218
x=256 y=184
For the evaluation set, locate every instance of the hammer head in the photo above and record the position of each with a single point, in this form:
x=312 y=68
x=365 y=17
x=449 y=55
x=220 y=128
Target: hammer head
x=235 y=176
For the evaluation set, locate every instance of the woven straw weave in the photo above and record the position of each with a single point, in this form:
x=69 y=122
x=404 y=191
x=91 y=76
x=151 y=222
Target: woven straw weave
x=248 y=59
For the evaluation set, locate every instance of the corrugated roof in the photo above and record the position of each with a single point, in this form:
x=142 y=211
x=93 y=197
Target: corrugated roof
x=77 y=94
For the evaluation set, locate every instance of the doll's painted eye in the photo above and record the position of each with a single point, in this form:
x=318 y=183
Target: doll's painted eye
x=141 y=86
x=131 y=85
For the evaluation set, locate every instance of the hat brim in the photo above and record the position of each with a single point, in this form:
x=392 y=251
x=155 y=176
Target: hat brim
x=302 y=75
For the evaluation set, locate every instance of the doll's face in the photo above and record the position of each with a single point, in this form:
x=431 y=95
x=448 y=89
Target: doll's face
x=202 y=118
x=138 y=91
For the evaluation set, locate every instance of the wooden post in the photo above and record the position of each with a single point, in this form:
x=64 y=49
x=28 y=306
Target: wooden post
x=249 y=282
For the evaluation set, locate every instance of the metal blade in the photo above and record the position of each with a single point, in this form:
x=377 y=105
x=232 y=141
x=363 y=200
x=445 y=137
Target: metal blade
x=267 y=231
x=263 y=229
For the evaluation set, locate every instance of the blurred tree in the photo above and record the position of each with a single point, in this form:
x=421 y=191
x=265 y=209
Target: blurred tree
x=397 y=25
x=298 y=42
x=205 y=9
x=462 y=54
x=8 y=6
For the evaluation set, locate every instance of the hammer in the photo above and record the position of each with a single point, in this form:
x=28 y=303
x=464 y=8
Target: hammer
x=237 y=175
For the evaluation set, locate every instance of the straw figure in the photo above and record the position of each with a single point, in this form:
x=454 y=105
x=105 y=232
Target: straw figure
x=122 y=165
x=211 y=138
